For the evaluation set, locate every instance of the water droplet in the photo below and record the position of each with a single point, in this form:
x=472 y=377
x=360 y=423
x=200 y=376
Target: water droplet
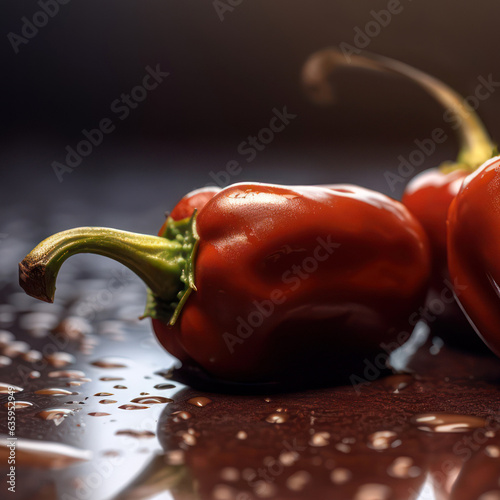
x=5 y=361
x=133 y=407
x=111 y=453
x=5 y=337
x=66 y=374
x=6 y=388
x=107 y=401
x=340 y=475
x=162 y=387
x=288 y=458
x=437 y=344
x=168 y=374
x=382 y=440
x=44 y=454
x=447 y=422
x=103 y=394
x=403 y=467
x=199 y=401
x=73 y=328
x=135 y=434
x=230 y=474
x=15 y=348
x=56 y=415
x=490 y=495
x=396 y=383
x=111 y=379
x=174 y=457
x=277 y=418
x=320 y=439
x=263 y=489
x=119 y=387
x=151 y=400
x=298 y=480
x=32 y=356
x=60 y=359
x=86 y=347
x=55 y=391
x=110 y=363
x=38 y=323
x=34 y=374
x=188 y=438
x=223 y=492
x=241 y=435
x=181 y=415
x=74 y=383
x=373 y=491
x=492 y=451
x=343 y=447
x=18 y=405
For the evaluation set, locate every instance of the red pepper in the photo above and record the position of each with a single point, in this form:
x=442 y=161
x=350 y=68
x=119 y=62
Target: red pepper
x=266 y=280
x=473 y=246
x=429 y=194
x=191 y=202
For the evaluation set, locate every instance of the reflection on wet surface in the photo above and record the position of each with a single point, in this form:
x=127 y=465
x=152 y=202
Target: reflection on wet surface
x=98 y=415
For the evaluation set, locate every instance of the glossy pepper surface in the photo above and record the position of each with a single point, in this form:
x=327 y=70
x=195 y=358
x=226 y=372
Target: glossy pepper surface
x=266 y=279
x=473 y=248
x=428 y=197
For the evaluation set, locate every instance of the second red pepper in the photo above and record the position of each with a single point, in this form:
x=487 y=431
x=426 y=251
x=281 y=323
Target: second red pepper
x=473 y=248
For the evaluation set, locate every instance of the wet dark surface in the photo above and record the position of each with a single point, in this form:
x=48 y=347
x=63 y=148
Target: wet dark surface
x=132 y=432
x=127 y=430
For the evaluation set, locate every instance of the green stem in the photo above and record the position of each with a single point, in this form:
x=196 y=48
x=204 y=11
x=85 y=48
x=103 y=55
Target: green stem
x=475 y=143
x=158 y=261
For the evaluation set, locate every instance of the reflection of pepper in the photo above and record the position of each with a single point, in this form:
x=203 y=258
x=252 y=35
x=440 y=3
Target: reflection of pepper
x=429 y=194
x=285 y=276
x=473 y=243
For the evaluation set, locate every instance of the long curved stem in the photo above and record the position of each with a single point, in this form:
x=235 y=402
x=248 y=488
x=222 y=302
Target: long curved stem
x=475 y=143
x=158 y=261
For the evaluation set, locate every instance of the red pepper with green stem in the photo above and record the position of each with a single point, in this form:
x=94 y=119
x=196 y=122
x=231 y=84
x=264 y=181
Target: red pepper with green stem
x=265 y=282
x=429 y=194
x=473 y=248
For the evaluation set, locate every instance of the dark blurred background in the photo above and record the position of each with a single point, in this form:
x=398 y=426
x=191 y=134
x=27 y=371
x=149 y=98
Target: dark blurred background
x=230 y=63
